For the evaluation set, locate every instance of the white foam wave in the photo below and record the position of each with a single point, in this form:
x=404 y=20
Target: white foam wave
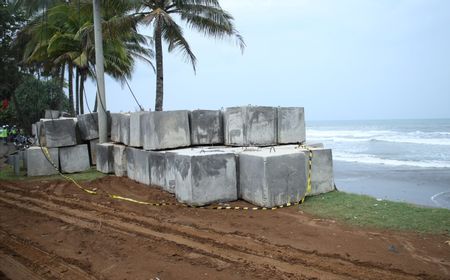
x=368 y=159
x=416 y=137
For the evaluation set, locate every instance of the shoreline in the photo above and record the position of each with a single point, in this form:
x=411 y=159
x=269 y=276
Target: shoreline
x=422 y=186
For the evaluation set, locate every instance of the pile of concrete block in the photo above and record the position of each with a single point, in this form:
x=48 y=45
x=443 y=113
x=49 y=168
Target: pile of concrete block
x=252 y=153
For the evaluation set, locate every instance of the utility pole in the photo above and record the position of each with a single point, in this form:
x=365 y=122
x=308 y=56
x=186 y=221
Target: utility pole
x=100 y=75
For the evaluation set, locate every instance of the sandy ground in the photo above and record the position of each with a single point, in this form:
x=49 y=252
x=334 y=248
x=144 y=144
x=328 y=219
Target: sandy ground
x=52 y=230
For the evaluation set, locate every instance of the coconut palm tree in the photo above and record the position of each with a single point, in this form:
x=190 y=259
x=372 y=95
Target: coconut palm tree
x=205 y=16
x=63 y=36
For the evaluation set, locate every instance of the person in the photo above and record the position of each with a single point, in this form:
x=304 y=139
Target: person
x=4 y=134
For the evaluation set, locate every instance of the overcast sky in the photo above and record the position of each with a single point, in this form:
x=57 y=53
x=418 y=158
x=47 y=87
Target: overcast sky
x=347 y=59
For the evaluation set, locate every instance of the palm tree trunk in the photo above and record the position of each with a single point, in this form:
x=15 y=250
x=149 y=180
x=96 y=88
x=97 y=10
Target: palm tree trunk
x=77 y=91
x=71 y=112
x=82 y=79
x=159 y=69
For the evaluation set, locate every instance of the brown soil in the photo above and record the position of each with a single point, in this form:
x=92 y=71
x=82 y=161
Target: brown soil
x=52 y=230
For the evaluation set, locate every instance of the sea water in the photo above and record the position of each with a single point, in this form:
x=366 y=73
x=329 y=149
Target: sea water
x=400 y=143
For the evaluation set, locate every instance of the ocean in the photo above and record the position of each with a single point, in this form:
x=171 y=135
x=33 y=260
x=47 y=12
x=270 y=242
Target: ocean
x=407 y=143
x=400 y=160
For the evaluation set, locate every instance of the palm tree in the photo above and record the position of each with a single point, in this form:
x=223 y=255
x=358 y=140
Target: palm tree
x=205 y=16
x=63 y=36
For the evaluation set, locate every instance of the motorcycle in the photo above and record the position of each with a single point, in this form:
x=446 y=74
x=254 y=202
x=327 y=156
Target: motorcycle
x=22 y=142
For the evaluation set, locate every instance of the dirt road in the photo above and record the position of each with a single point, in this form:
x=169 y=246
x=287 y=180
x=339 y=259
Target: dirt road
x=51 y=230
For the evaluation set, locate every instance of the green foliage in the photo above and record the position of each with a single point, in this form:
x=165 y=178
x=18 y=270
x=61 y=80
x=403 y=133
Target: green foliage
x=366 y=211
x=34 y=96
x=11 y=21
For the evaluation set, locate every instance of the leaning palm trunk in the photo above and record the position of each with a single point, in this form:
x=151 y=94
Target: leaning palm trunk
x=159 y=69
x=82 y=80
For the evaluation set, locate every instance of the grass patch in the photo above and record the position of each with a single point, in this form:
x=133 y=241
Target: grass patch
x=365 y=211
x=7 y=173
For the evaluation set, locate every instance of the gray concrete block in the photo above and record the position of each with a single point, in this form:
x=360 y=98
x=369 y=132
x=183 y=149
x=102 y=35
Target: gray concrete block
x=250 y=126
x=322 y=179
x=33 y=129
x=135 y=129
x=52 y=114
x=166 y=130
x=158 y=169
x=204 y=177
x=120 y=128
x=105 y=158
x=291 y=125
x=115 y=127
x=206 y=127
x=74 y=159
x=88 y=126
x=37 y=163
x=40 y=133
x=60 y=132
x=170 y=172
x=138 y=165
x=120 y=160
x=125 y=129
x=93 y=151
x=271 y=178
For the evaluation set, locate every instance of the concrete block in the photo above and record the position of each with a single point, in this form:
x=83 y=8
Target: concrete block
x=88 y=126
x=291 y=125
x=271 y=177
x=136 y=132
x=105 y=158
x=60 y=132
x=250 y=126
x=158 y=169
x=204 y=177
x=40 y=133
x=93 y=151
x=125 y=129
x=138 y=165
x=74 y=159
x=166 y=130
x=37 y=163
x=33 y=129
x=120 y=128
x=322 y=179
x=120 y=160
x=52 y=114
x=206 y=127
x=170 y=172
x=115 y=127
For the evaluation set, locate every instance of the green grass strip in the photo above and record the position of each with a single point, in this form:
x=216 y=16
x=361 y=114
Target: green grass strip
x=365 y=211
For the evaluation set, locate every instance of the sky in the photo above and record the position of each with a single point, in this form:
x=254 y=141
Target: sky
x=340 y=60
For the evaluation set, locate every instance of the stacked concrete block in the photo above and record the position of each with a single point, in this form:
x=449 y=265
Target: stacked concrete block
x=204 y=177
x=88 y=126
x=170 y=172
x=166 y=130
x=120 y=128
x=52 y=114
x=322 y=179
x=105 y=158
x=60 y=132
x=40 y=133
x=250 y=126
x=74 y=159
x=138 y=165
x=37 y=163
x=270 y=177
x=136 y=128
x=93 y=151
x=206 y=127
x=33 y=129
x=291 y=125
x=158 y=169
x=120 y=160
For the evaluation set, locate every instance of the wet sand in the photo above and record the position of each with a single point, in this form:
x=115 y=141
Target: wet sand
x=427 y=187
